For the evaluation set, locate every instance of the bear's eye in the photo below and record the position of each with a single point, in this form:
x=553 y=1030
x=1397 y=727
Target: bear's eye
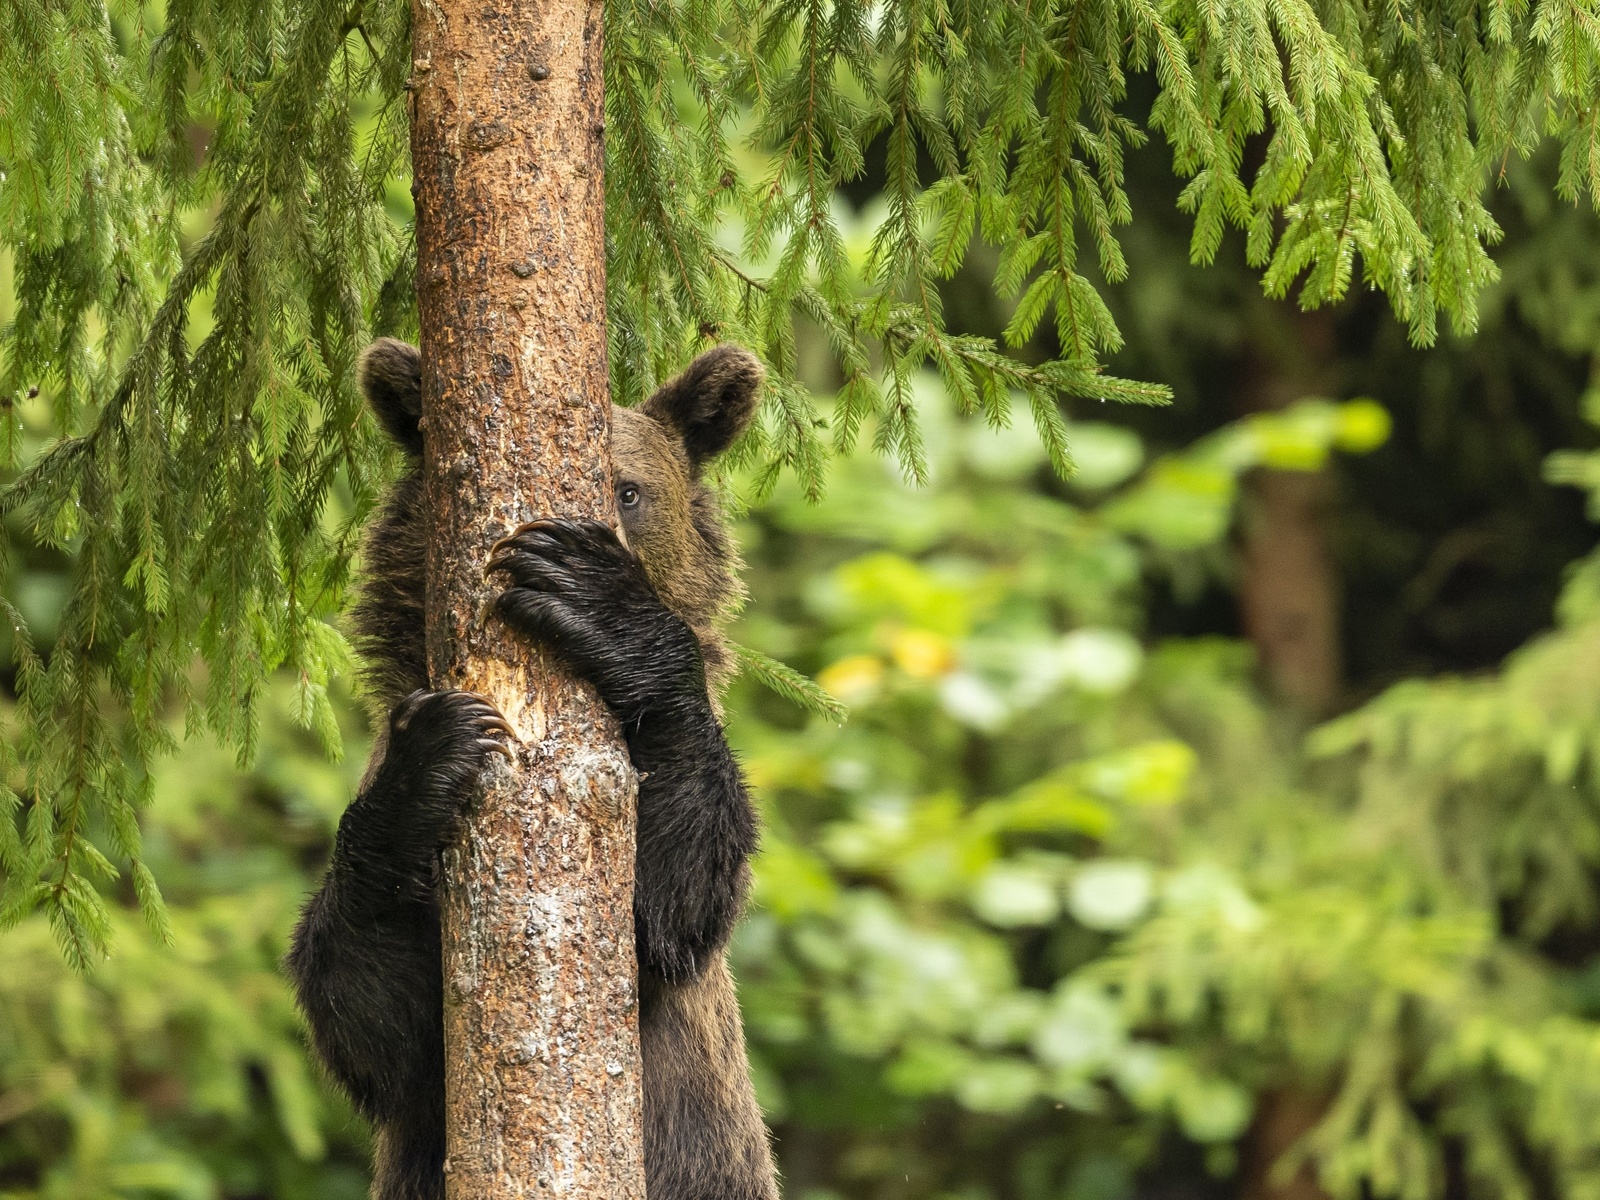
x=628 y=495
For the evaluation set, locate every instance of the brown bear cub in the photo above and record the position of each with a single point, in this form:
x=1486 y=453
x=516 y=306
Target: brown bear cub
x=640 y=622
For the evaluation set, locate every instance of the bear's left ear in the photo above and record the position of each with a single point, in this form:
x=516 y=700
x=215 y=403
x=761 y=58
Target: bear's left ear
x=709 y=405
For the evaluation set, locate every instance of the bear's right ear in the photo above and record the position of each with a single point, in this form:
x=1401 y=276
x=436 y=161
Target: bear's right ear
x=709 y=405
x=391 y=380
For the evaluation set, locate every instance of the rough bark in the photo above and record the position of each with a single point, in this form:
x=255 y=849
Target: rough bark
x=541 y=1038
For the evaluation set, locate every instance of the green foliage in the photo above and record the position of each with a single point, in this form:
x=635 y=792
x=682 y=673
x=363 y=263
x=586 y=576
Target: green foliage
x=203 y=426
x=790 y=684
x=177 y=1067
x=1049 y=866
x=946 y=921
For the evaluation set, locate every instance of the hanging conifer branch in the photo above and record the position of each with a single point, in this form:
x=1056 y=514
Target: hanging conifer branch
x=201 y=391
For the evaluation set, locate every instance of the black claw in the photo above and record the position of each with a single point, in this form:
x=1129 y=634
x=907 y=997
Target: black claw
x=537 y=538
x=502 y=552
x=489 y=717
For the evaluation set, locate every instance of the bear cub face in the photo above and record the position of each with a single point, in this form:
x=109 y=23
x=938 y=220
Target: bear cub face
x=659 y=453
x=669 y=517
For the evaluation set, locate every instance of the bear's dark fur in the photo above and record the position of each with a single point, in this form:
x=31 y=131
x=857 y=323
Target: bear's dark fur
x=640 y=622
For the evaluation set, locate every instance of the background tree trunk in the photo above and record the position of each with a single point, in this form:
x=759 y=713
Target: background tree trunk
x=1289 y=605
x=1283 y=1118
x=1289 y=585
x=541 y=1038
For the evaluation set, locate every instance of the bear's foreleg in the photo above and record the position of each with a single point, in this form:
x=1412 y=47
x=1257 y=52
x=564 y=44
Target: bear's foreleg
x=579 y=591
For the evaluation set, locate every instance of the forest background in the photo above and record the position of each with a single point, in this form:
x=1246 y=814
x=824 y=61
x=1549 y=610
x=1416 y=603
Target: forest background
x=1220 y=820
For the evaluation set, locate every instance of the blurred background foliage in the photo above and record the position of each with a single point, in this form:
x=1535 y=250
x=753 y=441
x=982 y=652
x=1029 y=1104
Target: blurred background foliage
x=1223 y=821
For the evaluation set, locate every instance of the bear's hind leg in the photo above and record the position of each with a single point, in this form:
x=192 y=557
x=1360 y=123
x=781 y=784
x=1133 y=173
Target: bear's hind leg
x=704 y=1138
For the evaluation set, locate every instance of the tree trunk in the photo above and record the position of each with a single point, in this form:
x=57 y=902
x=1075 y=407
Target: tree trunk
x=1289 y=587
x=542 y=1069
x=1289 y=592
x=1289 y=603
x=1286 y=1116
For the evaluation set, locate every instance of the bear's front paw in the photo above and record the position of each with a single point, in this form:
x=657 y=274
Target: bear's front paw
x=439 y=744
x=581 y=592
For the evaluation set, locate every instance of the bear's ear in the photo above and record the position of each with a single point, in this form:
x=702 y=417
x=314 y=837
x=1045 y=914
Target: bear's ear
x=709 y=405
x=391 y=380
